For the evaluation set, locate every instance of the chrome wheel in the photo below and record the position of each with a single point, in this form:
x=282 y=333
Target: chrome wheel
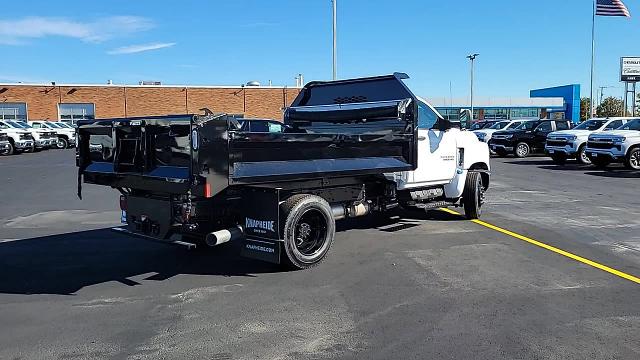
x=522 y=150
x=634 y=159
x=583 y=157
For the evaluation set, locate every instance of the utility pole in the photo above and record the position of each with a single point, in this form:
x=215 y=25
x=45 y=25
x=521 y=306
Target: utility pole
x=601 y=88
x=472 y=57
x=335 y=45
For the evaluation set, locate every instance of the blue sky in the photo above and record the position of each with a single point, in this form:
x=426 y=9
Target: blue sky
x=522 y=44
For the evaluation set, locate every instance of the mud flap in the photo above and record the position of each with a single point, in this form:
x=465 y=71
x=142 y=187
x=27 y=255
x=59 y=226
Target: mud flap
x=264 y=250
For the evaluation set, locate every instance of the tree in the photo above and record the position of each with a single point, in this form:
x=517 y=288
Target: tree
x=584 y=108
x=610 y=107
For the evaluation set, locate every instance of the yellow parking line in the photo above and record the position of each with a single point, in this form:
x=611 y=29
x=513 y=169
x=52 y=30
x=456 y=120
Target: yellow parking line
x=552 y=248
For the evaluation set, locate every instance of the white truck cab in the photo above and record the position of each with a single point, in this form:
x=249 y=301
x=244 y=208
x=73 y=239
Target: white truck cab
x=484 y=135
x=621 y=145
x=568 y=144
x=65 y=136
x=449 y=161
x=19 y=139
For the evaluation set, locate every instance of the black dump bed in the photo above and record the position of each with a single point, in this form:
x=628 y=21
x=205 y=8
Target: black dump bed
x=333 y=129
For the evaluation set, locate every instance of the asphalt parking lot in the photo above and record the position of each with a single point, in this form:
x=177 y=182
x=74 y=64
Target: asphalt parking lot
x=423 y=286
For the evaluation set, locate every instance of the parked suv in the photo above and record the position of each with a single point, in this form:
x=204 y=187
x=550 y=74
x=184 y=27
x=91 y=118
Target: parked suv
x=484 y=134
x=19 y=139
x=571 y=144
x=65 y=136
x=620 y=145
x=529 y=137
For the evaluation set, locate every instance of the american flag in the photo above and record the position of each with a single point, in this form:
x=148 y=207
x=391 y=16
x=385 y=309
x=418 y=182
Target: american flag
x=611 y=8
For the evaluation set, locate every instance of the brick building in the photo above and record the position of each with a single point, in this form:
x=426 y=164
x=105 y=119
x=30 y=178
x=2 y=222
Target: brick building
x=82 y=101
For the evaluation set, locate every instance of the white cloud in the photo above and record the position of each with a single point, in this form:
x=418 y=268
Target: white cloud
x=15 y=32
x=132 y=49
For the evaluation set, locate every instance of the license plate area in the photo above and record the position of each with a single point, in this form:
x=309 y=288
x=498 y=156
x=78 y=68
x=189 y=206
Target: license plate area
x=151 y=217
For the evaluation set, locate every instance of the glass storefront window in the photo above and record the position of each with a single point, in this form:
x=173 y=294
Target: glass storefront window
x=13 y=111
x=73 y=112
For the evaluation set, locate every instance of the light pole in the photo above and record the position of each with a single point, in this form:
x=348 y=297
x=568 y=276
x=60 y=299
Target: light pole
x=472 y=57
x=335 y=47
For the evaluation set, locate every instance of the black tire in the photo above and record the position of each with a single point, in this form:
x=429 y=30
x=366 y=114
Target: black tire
x=62 y=143
x=632 y=160
x=12 y=149
x=473 y=195
x=522 y=150
x=309 y=229
x=600 y=162
x=559 y=159
x=582 y=157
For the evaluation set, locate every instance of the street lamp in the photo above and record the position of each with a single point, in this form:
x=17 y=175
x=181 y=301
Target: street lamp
x=472 y=57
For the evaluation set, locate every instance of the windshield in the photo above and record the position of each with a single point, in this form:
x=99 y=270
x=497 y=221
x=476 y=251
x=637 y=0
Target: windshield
x=54 y=125
x=17 y=125
x=499 y=125
x=590 y=125
x=65 y=125
x=631 y=125
x=527 y=125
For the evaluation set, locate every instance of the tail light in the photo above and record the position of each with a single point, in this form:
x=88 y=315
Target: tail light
x=123 y=203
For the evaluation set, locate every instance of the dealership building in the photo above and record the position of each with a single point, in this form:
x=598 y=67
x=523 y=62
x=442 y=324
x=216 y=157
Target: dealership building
x=70 y=102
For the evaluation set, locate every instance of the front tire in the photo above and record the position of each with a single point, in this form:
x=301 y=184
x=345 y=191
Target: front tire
x=632 y=161
x=62 y=143
x=11 y=150
x=522 y=150
x=473 y=195
x=582 y=156
x=309 y=230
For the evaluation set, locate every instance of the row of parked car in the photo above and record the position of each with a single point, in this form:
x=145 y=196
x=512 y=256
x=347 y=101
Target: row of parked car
x=20 y=136
x=599 y=141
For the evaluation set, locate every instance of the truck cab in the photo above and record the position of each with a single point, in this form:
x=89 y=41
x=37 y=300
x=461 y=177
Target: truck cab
x=571 y=144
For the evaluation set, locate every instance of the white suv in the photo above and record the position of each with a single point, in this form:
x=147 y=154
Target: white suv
x=65 y=136
x=571 y=144
x=484 y=135
x=620 y=145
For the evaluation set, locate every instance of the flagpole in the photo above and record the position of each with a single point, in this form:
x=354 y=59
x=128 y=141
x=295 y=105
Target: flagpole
x=593 y=56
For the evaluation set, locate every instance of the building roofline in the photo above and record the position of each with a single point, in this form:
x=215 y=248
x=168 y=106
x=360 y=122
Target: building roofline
x=152 y=86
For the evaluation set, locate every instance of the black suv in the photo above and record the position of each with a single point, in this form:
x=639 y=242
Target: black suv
x=529 y=137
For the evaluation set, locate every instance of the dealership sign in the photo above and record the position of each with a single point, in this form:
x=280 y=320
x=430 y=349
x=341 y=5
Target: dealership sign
x=630 y=69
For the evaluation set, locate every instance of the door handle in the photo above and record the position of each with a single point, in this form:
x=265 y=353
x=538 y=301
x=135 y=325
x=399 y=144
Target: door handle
x=422 y=138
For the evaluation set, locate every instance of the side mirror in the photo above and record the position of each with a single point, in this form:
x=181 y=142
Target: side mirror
x=444 y=124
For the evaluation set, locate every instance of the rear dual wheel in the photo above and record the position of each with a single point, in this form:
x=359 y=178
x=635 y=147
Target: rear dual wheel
x=309 y=230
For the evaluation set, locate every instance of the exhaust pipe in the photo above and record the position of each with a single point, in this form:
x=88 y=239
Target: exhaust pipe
x=222 y=236
x=355 y=210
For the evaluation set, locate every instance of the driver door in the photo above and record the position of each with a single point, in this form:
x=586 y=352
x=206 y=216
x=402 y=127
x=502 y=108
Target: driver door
x=540 y=134
x=436 y=150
